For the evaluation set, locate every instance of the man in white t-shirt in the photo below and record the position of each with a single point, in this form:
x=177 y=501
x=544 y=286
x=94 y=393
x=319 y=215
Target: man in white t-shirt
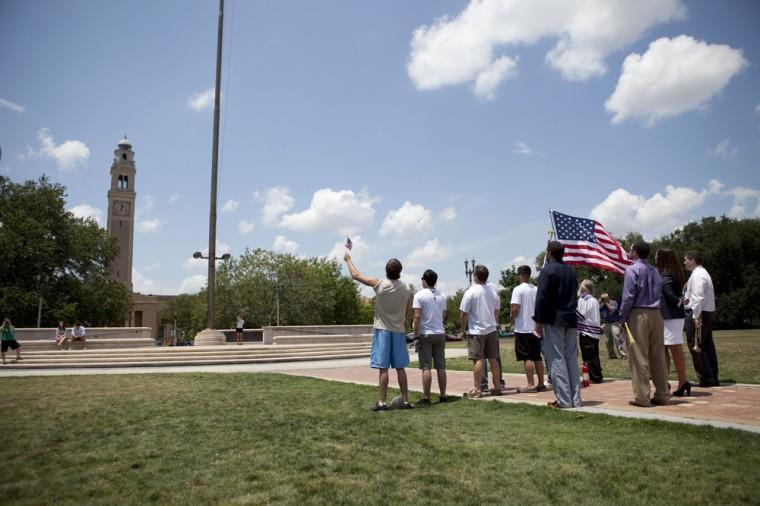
x=478 y=317
x=527 y=343
x=389 y=338
x=700 y=307
x=429 y=306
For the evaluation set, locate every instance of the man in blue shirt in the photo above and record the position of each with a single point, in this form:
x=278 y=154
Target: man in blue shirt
x=640 y=310
x=556 y=323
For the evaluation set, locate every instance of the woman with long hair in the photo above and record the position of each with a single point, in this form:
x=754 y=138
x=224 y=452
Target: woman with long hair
x=671 y=307
x=589 y=329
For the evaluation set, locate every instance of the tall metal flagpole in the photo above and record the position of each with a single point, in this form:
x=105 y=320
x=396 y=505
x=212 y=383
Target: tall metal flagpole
x=210 y=335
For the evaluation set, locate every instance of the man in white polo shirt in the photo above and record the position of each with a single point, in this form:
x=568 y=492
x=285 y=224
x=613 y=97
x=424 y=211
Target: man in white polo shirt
x=527 y=344
x=429 y=306
x=699 y=301
x=478 y=317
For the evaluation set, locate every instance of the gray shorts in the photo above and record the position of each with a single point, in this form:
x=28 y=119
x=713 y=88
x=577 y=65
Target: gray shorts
x=485 y=346
x=432 y=351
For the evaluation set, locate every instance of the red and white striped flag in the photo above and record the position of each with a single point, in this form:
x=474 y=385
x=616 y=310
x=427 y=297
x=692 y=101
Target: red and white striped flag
x=586 y=242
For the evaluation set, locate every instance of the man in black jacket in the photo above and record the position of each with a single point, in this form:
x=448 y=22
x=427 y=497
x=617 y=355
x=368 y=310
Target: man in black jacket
x=557 y=323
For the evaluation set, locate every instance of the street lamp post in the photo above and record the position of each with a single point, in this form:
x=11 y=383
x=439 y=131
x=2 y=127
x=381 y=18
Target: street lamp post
x=468 y=271
x=210 y=335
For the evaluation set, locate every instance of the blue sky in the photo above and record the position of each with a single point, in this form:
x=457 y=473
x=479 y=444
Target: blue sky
x=429 y=131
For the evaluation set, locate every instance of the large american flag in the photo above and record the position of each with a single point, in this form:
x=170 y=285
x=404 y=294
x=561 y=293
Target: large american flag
x=586 y=242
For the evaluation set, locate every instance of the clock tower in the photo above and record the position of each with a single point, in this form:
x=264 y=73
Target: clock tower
x=121 y=210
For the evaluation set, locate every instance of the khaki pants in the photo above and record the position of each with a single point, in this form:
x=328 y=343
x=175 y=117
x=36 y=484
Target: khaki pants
x=646 y=355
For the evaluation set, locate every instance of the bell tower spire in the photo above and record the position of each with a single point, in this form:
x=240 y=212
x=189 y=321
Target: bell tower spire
x=121 y=210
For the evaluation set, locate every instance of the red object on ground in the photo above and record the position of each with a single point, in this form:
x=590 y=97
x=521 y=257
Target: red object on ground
x=584 y=370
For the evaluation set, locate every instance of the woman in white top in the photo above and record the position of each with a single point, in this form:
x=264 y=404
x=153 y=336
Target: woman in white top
x=239 y=329
x=60 y=335
x=589 y=329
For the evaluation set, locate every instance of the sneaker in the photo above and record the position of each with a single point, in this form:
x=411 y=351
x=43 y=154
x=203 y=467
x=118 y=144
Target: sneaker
x=380 y=407
x=541 y=388
x=424 y=402
x=406 y=405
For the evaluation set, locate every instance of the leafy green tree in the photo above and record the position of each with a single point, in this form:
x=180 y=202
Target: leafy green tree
x=48 y=252
x=189 y=311
x=452 y=312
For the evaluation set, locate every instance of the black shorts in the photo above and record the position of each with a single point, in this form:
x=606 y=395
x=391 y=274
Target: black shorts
x=527 y=347
x=239 y=331
x=12 y=344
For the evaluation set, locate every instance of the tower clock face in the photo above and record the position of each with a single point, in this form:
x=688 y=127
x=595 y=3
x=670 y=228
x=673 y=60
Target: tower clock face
x=121 y=208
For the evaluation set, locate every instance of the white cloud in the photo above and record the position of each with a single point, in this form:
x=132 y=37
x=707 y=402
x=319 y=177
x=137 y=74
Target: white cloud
x=465 y=48
x=674 y=76
x=88 y=211
x=230 y=206
x=148 y=202
x=520 y=260
x=174 y=197
x=193 y=284
x=201 y=263
x=492 y=76
x=283 y=245
x=448 y=214
x=406 y=222
x=742 y=198
x=149 y=226
x=11 y=105
x=358 y=251
x=246 y=227
x=141 y=283
x=277 y=201
x=341 y=211
x=714 y=186
x=622 y=212
x=724 y=149
x=524 y=150
x=202 y=101
x=67 y=155
x=431 y=251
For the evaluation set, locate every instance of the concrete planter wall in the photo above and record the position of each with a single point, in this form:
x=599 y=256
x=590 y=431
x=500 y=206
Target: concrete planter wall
x=48 y=334
x=314 y=330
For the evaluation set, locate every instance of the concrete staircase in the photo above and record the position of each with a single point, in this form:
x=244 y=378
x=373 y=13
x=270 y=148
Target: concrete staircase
x=99 y=354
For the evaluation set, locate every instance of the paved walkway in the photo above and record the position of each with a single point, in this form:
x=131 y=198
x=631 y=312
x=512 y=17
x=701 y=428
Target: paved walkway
x=734 y=406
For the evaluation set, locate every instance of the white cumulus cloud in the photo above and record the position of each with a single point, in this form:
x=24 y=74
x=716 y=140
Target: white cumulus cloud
x=246 y=227
x=11 y=105
x=622 y=212
x=432 y=251
x=448 y=214
x=202 y=101
x=174 y=197
x=284 y=245
x=466 y=48
x=88 y=211
x=230 y=206
x=406 y=222
x=744 y=197
x=341 y=211
x=149 y=226
x=193 y=284
x=277 y=201
x=68 y=155
x=142 y=283
x=674 y=76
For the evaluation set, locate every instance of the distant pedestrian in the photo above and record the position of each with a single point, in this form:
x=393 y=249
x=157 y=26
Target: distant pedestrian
x=239 y=329
x=60 y=335
x=527 y=343
x=640 y=311
x=429 y=305
x=478 y=318
x=556 y=321
x=389 y=337
x=78 y=333
x=589 y=330
x=700 y=307
x=608 y=310
x=8 y=339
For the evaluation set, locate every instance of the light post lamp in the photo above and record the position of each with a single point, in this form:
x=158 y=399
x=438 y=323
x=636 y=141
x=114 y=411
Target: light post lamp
x=40 y=279
x=468 y=271
x=210 y=336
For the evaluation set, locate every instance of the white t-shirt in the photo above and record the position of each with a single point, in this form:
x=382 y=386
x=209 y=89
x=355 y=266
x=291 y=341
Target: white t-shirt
x=700 y=292
x=432 y=302
x=525 y=295
x=78 y=331
x=480 y=302
x=240 y=323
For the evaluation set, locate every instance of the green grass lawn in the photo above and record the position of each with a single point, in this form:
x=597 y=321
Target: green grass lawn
x=262 y=438
x=738 y=358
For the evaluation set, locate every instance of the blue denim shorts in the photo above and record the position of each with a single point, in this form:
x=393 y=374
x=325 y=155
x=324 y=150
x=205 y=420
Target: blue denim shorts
x=388 y=350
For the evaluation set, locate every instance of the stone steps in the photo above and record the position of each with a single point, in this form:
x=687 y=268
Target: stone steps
x=92 y=344
x=320 y=339
x=189 y=355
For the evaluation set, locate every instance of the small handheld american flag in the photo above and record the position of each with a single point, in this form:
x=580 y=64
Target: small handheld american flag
x=349 y=244
x=586 y=242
